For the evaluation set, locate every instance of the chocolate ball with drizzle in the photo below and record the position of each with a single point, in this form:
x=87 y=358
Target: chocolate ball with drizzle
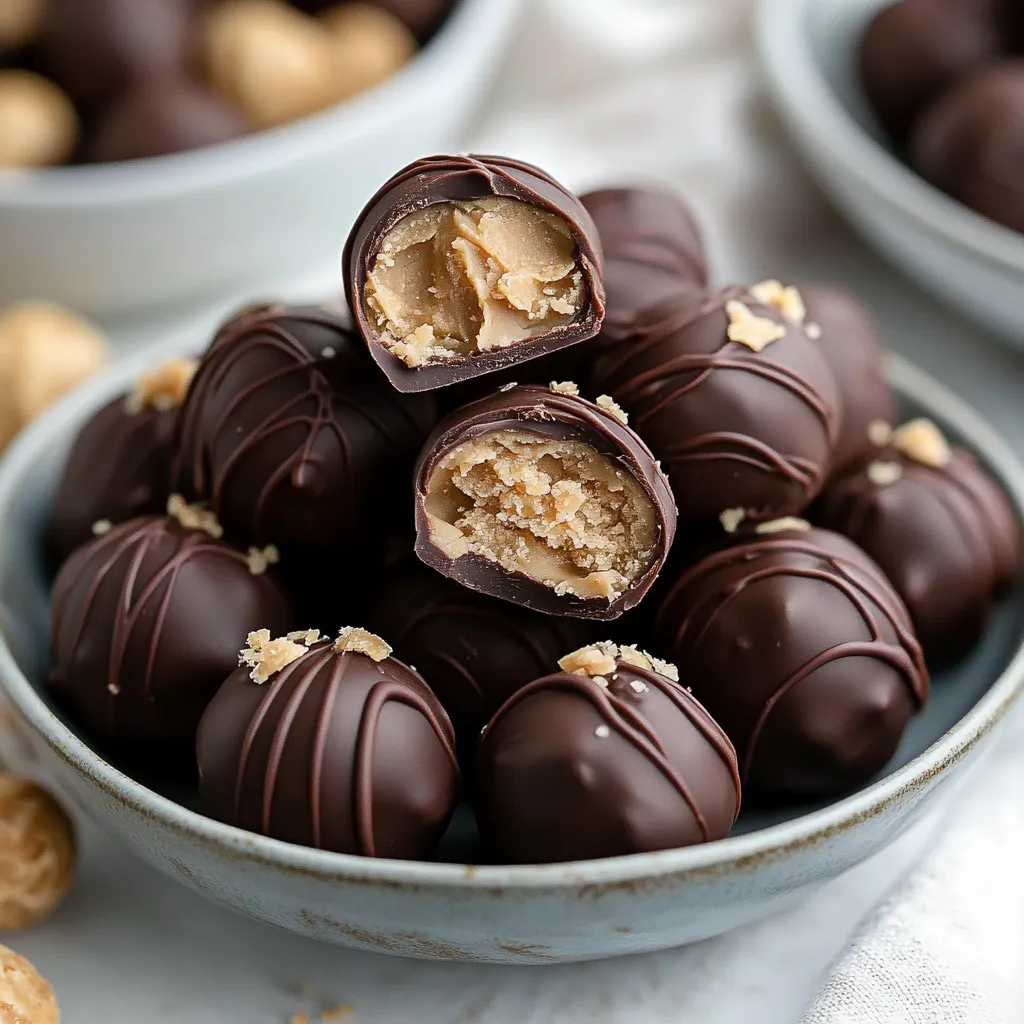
x=611 y=756
x=939 y=526
x=735 y=398
x=329 y=744
x=120 y=464
x=797 y=644
x=146 y=623
x=293 y=438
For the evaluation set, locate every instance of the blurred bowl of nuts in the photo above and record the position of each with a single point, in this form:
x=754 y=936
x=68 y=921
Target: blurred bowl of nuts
x=161 y=152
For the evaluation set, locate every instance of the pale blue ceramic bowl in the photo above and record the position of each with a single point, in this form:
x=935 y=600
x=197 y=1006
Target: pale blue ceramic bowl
x=454 y=911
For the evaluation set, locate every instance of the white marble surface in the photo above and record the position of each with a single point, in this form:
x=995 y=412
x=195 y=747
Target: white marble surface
x=130 y=946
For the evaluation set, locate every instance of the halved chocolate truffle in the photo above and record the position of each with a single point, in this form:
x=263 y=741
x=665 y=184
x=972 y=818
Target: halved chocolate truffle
x=797 y=644
x=146 y=624
x=940 y=528
x=611 y=756
x=120 y=464
x=292 y=437
x=539 y=497
x=329 y=744
x=463 y=265
x=735 y=398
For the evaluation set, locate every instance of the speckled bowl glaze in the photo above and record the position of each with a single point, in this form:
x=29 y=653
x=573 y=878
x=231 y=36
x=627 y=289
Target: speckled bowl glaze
x=809 y=54
x=546 y=914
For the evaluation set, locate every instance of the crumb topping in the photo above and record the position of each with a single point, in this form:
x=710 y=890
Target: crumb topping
x=162 y=388
x=602 y=732
x=745 y=327
x=261 y=559
x=731 y=519
x=602 y=659
x=194 y=517
x=101 y=526
x=565 y=387
x=114 y=689
x=879 y=433
x=336 y=1013
x=352 y=640
x=881 y=474
x=787 y=300
x=812 y=330
x=782 y=525
x=613 y=408
x=265 y=656
x=305 y=636
x=922 y=441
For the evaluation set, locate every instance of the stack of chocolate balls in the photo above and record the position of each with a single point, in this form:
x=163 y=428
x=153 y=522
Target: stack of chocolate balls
x=946 y=79
x=737 y=497
x=99 y=81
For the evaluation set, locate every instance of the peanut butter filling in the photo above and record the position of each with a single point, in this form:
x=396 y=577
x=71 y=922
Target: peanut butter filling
x=558 y=512
x=457 y=279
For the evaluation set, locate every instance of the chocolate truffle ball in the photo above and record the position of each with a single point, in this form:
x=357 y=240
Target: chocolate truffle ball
x=120 y=464
x=915 y=49
x=473 y=651
x=147 y=621
x=849 y=341
x=466 y=265
x=653 y=250
x=329 y=744
x=970 y=143
x=606 y=758
x=940 y=528
x=541 y=498
x=96 y=49
x=735 y=398
x=295 y=439
x=801 y=650
x=164 y=117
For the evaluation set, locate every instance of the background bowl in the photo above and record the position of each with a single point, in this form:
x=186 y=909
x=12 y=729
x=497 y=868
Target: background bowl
x=809 y=53
x=147 y=235
x=522 y=914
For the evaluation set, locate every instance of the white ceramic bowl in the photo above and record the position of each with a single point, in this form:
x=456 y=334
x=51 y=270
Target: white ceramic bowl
x=808 y=50
x=529 y=914
x=147 y=235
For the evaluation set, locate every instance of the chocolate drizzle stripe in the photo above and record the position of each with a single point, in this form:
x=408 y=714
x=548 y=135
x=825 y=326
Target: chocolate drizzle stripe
x=323 y=728
x=799 y=470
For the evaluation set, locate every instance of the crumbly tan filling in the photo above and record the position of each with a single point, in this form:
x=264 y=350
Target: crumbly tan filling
x=457 y=279
x=353 y=640
x=556 y=511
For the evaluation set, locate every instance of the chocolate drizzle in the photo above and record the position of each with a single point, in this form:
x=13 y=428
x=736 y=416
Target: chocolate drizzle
x=720 y=620
x=733 y=427
x=290 y=436
x=315 y=757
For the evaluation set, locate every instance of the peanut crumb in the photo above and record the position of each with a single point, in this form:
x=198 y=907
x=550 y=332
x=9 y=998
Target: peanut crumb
x=787 y=300
x=328 y=352
x=637 y=687
x=631 y=655
x=881 y=474
x=508 y=387
x=299 y=1018
x=113 y=688
x=565 y=387
x=596 y=660
x=266 y=657
x=922 y=441
x=353 y=640
x=162 y=388
x=613 y=408
x=194 y=517
x=305 y=636
x=261 y=559
x=602 y=732
x=756 y=332
x=101 y=526
x=782 y=525
x=336 y=1013
x=812 y=330
x=879 y=433
x=731 y=519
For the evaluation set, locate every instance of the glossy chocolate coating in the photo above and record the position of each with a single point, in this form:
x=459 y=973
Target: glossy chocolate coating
x=96 y=49
x=335 y=751
x=440 y=179
x=164 y=117
x=146 y=623
x=970 y=143
x=545 y=414
x=653 y=251
x=946 y=538
x=294 y=439
x=850 y=343
x=570 y=770
x=733 y=428
x=473 y=651
x=801 y=650
x=913 y=50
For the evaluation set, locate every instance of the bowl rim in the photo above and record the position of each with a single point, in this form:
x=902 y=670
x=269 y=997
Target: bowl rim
x=733 y=855
x=807 y=100
x=261 y=152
